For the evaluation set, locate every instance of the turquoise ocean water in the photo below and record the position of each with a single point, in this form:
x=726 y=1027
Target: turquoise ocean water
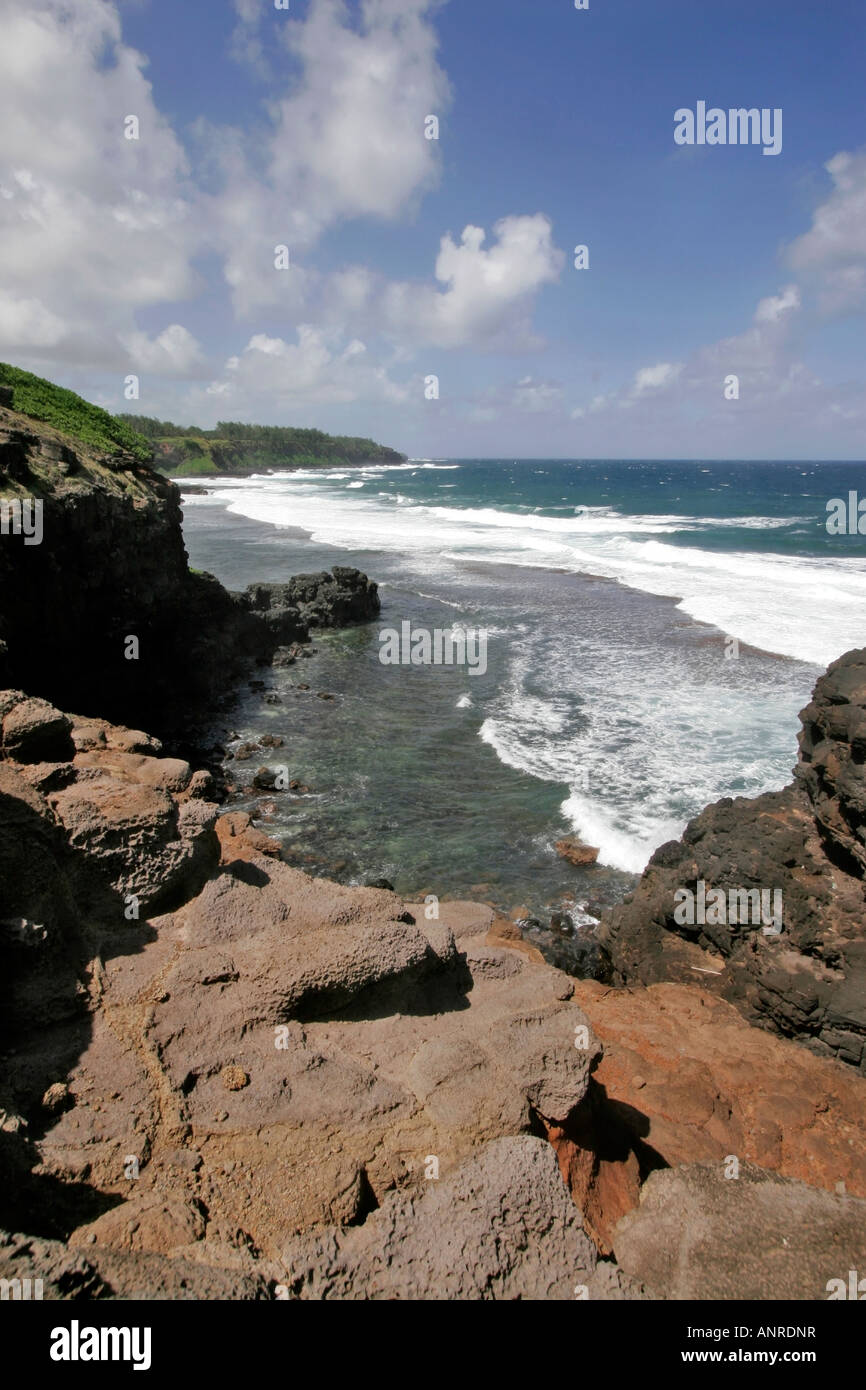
x=653 y=630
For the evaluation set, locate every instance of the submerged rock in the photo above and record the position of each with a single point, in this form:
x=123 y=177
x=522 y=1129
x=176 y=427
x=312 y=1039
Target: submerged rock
x=268 y=779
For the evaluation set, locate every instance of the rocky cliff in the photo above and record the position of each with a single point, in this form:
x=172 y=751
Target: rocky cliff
x=808 y=842
x=104 y=613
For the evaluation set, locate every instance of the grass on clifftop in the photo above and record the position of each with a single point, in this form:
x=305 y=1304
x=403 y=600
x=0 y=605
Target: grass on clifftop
x=230 y=448
x=90 y=425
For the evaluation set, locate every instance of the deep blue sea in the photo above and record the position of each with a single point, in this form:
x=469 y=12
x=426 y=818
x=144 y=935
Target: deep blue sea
x=654 y=629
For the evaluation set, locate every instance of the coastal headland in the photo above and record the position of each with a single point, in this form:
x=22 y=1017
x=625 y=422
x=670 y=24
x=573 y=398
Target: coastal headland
x=223 y=1078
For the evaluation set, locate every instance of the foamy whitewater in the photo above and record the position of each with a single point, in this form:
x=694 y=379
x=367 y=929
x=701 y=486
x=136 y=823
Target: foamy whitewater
x=628 y=705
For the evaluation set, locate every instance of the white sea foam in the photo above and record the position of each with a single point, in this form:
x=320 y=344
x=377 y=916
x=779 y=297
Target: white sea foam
x=623 y=765
x=620 y=849
x=617 y=732
x=809 y=609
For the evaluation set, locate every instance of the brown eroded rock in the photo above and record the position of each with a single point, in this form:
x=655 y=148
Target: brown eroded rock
x=132 y=822
x=89 y=735
x=369 y=1041
x=500 y=1226
x=504 y=932
x=234 y=1078
x=297 y=945
x=463 y=919
x=136 y=838
x=33 y=731
x=698 y=1234
x=56 y=1097
x=239 y=839
x=686 y=1079
x=166 y=774
x=572 y=848
x=146 y=1222
x=70 y=1273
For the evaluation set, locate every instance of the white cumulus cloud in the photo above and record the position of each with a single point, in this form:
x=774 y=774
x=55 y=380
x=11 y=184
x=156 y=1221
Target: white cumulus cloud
x=316 y=369
x=654 y=378
x=174 y=352
x=833 y=252
x=345 y=138
x=92 y=225
x=488 y=290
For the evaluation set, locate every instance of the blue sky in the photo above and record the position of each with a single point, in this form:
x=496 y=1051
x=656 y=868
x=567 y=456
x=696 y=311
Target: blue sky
x=258 y=127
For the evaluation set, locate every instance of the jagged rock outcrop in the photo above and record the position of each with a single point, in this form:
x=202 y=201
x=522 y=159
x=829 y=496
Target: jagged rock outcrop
x=111 y=566
x=832 y=766
x=306 y=601
x=137 y=828
x=806 y=842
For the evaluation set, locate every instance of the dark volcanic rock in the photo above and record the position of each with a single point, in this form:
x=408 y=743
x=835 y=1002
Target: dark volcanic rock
x=112 y=566
x=832 y=766
x=807 y=841
x=337 y=599
x=266 y=779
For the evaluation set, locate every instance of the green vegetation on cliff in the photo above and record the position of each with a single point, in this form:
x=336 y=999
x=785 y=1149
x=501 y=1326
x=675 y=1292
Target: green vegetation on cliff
x=178 y=450
x=91 y=426
x=238 y=448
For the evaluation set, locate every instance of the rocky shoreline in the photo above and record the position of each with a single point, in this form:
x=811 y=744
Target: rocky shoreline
x=808 y=843
x=221 y=1078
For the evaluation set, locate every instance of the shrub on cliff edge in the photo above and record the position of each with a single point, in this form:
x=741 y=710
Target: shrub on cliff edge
x=66 y=411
